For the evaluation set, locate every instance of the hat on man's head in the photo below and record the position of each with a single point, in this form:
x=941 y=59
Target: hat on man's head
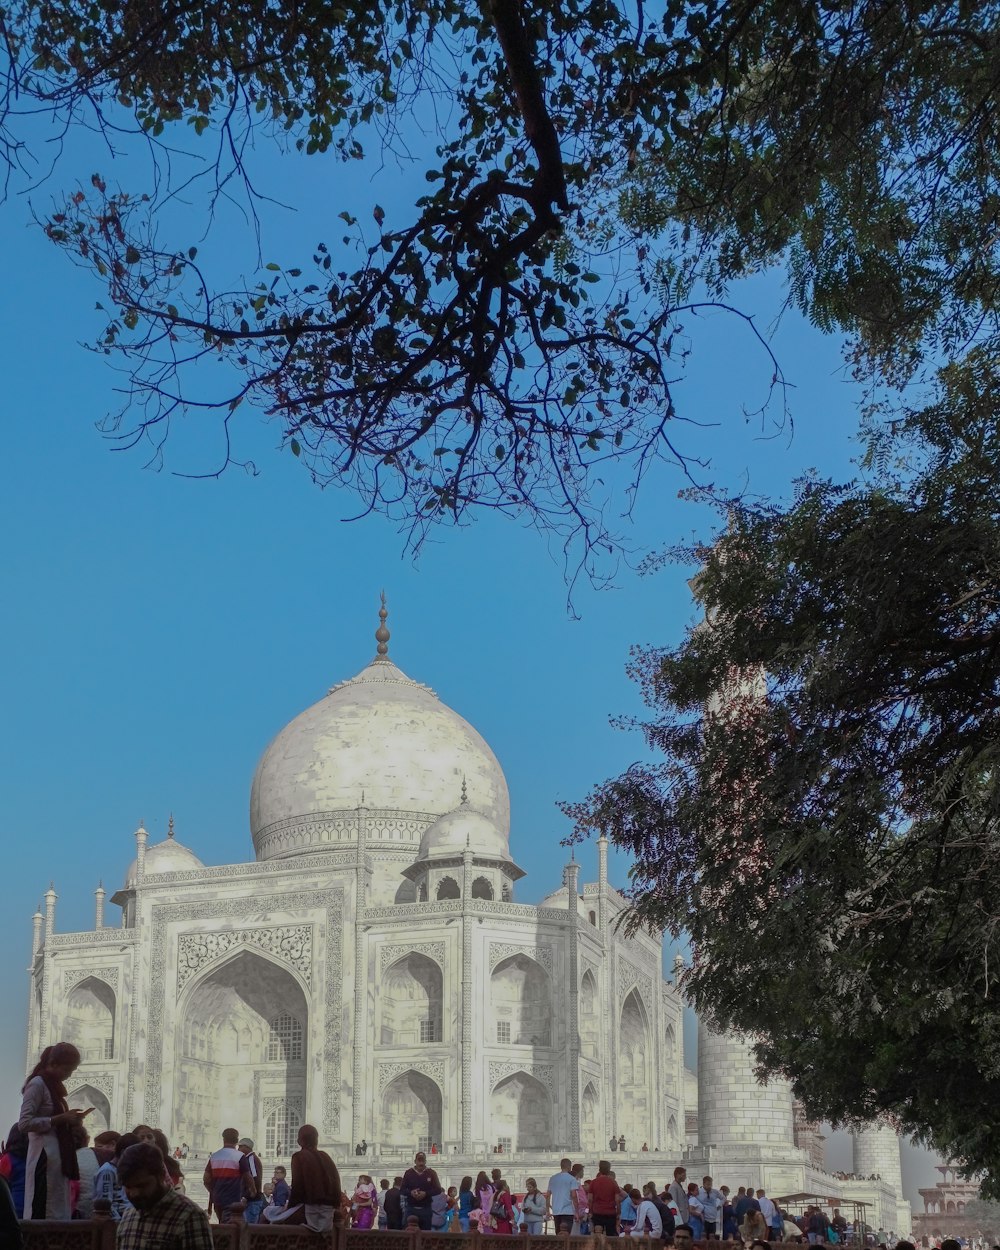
x=246 y=1141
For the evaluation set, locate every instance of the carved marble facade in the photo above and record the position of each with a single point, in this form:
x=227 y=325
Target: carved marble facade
x=370 y=972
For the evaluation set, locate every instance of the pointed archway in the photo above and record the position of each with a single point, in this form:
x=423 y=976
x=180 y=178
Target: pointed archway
x=411 y=1112
x=633 y=1114
x=521 y=1114
x=242 y=1047
x=84 y=1096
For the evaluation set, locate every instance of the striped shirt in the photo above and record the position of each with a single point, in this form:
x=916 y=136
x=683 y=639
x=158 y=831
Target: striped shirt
x=175 y=1223
x=225 y=1167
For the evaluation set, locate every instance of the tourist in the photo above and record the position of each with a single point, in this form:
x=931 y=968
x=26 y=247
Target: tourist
x=621 y=1143
x=754 y=1226
x=47 y=1120
x=315 y=1194
x=766 y=1209
x=678 y=1194
x=485 y=1192
x=627 y=1210
x=561 y=1197
x=745 y=1202
x=364 y=1203
x=648 y=1222
x=12 y=1159
x=252 y=1181
x=107 y=1186
x=683 y=1239
x=605 y=1200
x=668 y=1216
x=88 y=1160
x=503 y=1208
x=172 y=1165
x=393 y=1205
x=420 y=1184
x=466 y=1198
x=223 y=1176
x=613 y=1144
x=645 y=1148
x=818 y=1227
x=413 y=1223
x=158 y=1214
x=711 y=1206
x=534 y=1207
x=581 y=1224
x=383 y=1189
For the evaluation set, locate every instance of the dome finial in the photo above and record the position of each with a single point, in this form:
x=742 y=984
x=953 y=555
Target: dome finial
x=382 y=633
x=170 y=826
x=465 y=791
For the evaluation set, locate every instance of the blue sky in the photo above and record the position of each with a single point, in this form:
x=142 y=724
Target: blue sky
x=159 y=631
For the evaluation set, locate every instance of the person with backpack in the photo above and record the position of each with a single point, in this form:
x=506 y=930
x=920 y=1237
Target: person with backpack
x=818 y=1227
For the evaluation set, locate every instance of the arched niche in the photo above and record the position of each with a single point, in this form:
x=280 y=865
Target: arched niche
x=411 y=996
x=447 y=887
x=411 y=1112
x=634 y=1071
x=590 y=1117
x=242 y=1043
x=521 y=1114
x=99 y=1120
x=521 y=1001
x=672 y=1141
x=590 y=1023
x=669 y=1043
x=482 y=887
x=90 y=1020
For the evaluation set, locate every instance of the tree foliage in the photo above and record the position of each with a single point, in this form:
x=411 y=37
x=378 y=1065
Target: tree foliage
x=599 y=170
x=822 y=812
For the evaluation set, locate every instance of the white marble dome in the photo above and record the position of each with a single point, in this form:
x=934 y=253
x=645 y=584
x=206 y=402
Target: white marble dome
x=166 y=856
x=463 y=827
x=380 y=739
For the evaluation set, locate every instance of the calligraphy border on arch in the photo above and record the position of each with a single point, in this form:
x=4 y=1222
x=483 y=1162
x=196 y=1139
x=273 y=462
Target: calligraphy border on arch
x=500 y=1069
x=432 y=950
x=504 y=950
x=433 y=1069
x=73 y=976
x=165 y=913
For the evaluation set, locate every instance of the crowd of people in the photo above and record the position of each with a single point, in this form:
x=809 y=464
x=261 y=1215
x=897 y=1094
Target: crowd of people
x=50 y=1169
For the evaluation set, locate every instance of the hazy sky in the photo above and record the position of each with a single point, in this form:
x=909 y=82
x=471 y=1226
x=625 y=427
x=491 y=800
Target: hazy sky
x=159 y=631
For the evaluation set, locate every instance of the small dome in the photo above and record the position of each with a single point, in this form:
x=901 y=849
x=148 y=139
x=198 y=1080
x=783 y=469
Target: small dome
x=166 y=856
x=460 y=828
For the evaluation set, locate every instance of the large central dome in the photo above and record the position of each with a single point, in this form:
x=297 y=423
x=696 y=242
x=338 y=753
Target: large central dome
x=381 y=741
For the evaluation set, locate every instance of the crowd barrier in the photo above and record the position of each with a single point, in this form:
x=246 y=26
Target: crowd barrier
x=100 y=1235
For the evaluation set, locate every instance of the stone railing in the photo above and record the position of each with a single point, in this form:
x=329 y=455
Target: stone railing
x=100 y=1235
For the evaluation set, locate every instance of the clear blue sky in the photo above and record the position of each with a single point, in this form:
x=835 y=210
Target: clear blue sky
x=159 y=631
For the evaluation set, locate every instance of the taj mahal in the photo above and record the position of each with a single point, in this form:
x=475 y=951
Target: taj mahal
x=372 y=973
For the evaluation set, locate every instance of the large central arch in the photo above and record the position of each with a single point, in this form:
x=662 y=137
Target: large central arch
x=242 y=1043
x=90 y=1020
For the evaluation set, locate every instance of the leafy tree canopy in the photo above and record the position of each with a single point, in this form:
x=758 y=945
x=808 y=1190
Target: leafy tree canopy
x=598 y=170
x=821 y=812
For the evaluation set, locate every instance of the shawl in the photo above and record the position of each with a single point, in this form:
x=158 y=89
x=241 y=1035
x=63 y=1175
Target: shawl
x=63 y=1132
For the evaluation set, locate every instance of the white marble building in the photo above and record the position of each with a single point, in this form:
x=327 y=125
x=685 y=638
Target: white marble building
x=370 y=971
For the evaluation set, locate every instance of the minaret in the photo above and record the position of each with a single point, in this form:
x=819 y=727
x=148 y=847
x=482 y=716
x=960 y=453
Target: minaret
x=99 y=894
x=573 y=893
x=141 y=838
x=37 y=920
x=733 y=1107
x=50 y=911
x=602 y=885
x=876 y=1153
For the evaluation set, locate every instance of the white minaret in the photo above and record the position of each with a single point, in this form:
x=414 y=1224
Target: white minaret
x=37 y=920
x=876 y=1153
x=50 y=911
x=141 y=838
x=733 y=1107
x=99 y=905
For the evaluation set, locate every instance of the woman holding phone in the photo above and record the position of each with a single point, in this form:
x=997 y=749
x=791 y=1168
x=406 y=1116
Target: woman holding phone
x=48 y=1120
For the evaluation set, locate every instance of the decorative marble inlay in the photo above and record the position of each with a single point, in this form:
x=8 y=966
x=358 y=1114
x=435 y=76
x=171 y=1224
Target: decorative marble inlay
x=544 y=1072
x=504 y=950
x=73 y=976
x=104 y=1081
x=292 y=944
x=629 y=977
x=164 y=914
x=389 y=954
x=431 y=1068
